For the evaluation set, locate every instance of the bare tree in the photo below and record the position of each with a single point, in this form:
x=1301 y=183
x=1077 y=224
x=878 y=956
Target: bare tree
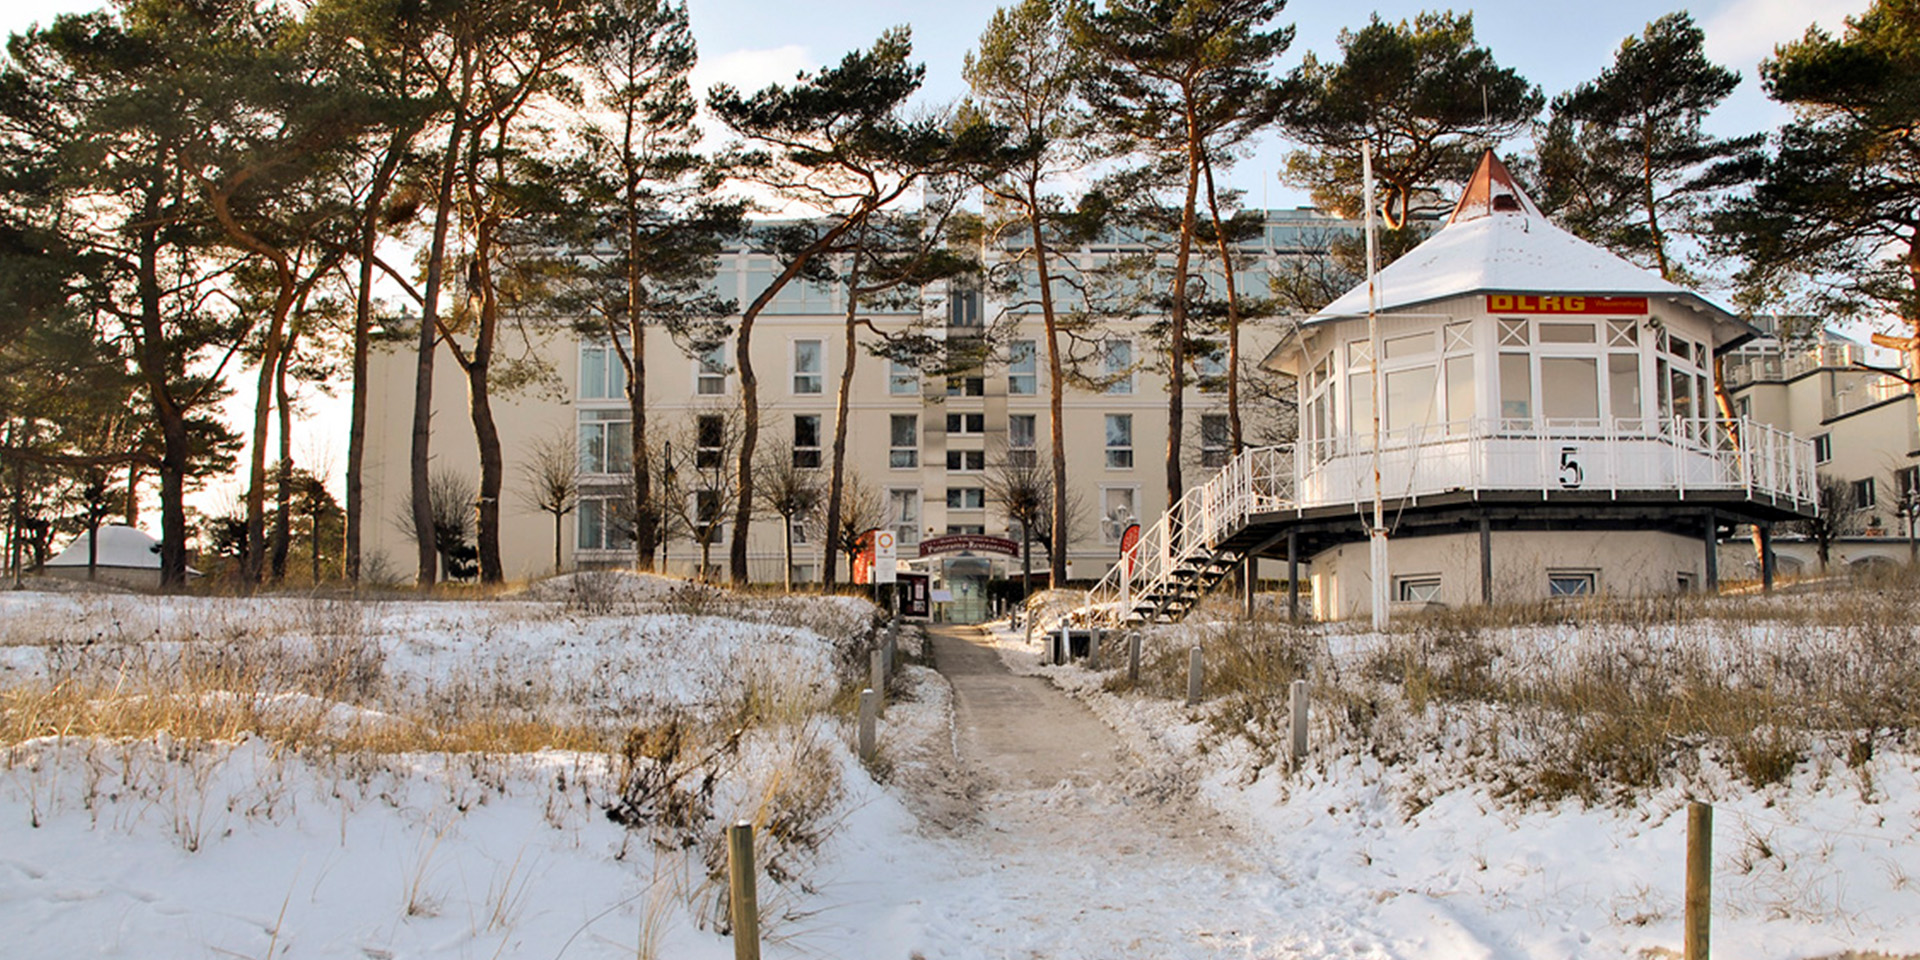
x=698 y=473
x=552 y=474
x=450 y=501
x=789 y=488
x=861 y=510
x=1839 y=516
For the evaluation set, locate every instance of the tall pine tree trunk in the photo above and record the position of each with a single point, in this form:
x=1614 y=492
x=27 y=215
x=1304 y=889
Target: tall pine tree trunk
x=837 y=479
x=420 y=464
x=362 y=348
x=283 y=493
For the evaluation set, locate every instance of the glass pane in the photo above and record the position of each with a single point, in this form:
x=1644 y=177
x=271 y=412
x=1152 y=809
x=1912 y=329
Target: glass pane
x=593 y=372
x=1360 y=404
x=905 y=430
x=1623 y=385
x=1020 y=430
x=1680 y=387
x=1460 y=390
x=806 y=431
x=593 y=452
x=1409 y=398
x=1570 y=388
x=1566 y=333
x=591 y=528
x=902 y=379
x=1119 y=430
x=619 y=447
x=1413 y=346
x=1513 y=333
x=1516 y=387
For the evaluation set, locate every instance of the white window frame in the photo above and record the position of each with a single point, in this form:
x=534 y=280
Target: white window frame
x=802 y=379
x=1216 y=454
x=1027 y=454
x=1591 y=579
x=1116 y=358
x=799 y=451
x=978 y=460
x=1023 y=368
x=903 y=380
x=1417 y=588
x=1116 y=453
x=906 y=529
x=1111 y=531
x=903 y=457
x=711 y=375
x=613 y=373
x=971 y=498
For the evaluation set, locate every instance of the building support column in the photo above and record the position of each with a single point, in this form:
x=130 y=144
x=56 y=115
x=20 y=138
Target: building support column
x=1712 y=536
x=1486 y=561
x=1249 y=576
x=1766 y=556
x=1293 y=577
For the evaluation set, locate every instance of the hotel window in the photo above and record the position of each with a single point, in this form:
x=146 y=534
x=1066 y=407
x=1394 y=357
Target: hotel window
x=1022 y=365
x=966 y=386
x=602 y=375
x=966 y=461
x=1119 y=509
x=707 y=527
x=1119 y=441
x=601 y=524
x=1211 y=371
x=1823 y=448
x=1020 y=440
x=806 y=366
x=1571 y=583
x=963 y=304
x=1117 y=363
x=710 y=436
x=902 y=379
x=966 y=498
x=606 y=441
x=903 y=510
x=962 y=529
x=903 y=431
x=806 y=441
x=1216 y=437
x=966 y=423
x=711 y=380
x=1418 y=589
x=1863 y=494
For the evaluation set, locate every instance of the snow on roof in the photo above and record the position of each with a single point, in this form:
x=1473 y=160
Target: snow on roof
x=1498 y=241
x=119 y=547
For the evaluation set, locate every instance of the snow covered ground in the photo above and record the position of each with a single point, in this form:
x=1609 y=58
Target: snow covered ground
x=1200 y=847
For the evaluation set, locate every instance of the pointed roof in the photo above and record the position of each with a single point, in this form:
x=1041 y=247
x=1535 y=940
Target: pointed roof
x=1498 y=241
x=119 y=547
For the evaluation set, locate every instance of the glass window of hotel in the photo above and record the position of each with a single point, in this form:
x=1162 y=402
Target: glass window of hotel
x=1022 y=369
x=806 y=366
x=1210 y=371
x=903 y=511
x=1119 y=441
x=601 y=524
x=712 y=375
x=966 y=386
x=806 y=441
x=966 y=423
x=902 y=379
x=706 y=517
x=963 y=304
x=710 y=437
x=903 y=431
x=797 y=296
x=966 y=498
x=1216 y=436
x=1117 y=366
x=1118 y=510
x=1823 y=448
x=1021 y=429
x=1863 y=494
x=966 y=461
x=602 y=375
x=606 y=441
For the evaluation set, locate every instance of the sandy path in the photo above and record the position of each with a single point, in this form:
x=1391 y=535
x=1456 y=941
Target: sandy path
x=1074 y=847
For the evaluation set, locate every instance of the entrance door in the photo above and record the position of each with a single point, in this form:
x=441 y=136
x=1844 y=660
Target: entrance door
x=969 y=599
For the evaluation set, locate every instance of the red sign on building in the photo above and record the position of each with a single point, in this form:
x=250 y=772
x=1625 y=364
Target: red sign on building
x=1563 y=304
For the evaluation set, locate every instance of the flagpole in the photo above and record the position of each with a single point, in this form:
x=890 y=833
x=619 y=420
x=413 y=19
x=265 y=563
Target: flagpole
x=1377 y=536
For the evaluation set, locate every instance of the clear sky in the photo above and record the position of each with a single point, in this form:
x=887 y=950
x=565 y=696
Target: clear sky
x=1553 y=43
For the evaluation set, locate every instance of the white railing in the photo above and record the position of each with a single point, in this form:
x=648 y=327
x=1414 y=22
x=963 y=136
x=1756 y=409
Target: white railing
x=1468 y=456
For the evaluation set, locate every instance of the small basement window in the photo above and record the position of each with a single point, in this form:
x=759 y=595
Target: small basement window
x=1418 y=589
x=1571 y=583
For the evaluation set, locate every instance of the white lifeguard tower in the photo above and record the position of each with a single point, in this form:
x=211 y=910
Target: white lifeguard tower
x=1547 y=426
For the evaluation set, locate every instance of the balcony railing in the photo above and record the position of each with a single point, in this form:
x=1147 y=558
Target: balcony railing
x=1616 y=457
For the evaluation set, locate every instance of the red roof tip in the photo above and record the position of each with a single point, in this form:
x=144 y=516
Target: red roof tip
x=1492 y=190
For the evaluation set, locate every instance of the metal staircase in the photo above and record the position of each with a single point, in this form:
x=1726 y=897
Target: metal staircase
x=1185 y=554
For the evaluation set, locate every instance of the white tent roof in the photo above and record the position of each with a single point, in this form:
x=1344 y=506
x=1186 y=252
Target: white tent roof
x=119 y=547
x=1497 y=241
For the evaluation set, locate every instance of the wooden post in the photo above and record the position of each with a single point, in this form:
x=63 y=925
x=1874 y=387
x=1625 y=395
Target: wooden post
x=1133 y=657
x=1766 y=557
x=877 y=678
x=1486 y=561
x=1293 y=576
x=1249 y=576
x=1713 y=552
x=746 y=901
x=868 y=718
x=1699 y=878
x=1195 y=673
x=1297 y=713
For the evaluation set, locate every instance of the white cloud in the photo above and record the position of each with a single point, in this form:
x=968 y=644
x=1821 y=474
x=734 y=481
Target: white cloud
x=1746 y=31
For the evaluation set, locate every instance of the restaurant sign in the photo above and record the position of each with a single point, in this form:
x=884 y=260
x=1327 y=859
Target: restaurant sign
x=969 y=543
